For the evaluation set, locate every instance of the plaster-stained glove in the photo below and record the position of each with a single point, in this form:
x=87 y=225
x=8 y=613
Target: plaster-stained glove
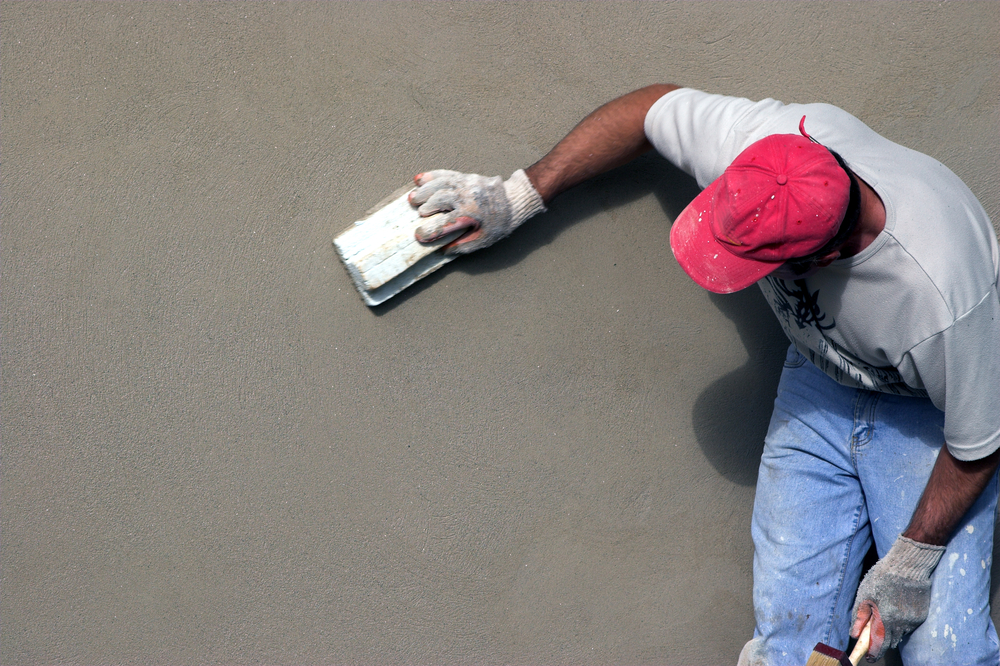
x=490 y=207
x=896 y=594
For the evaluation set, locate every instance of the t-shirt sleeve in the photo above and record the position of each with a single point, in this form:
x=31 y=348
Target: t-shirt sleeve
x=695 y=130
x=960 y=368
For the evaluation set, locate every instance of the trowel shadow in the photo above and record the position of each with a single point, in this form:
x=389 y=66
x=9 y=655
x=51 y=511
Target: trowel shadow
x=647 y=174
x=731 y=415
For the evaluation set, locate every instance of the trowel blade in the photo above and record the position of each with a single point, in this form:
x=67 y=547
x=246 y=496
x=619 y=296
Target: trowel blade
x=381 y=254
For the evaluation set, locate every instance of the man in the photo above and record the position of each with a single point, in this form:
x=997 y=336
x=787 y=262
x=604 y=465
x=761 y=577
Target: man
x=882 y=269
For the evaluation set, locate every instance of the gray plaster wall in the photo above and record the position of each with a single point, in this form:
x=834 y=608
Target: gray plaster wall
x=213 y=452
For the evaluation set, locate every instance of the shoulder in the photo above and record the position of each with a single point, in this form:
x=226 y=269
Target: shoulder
x=688 y=119
x=707 y=111
x=702 y=133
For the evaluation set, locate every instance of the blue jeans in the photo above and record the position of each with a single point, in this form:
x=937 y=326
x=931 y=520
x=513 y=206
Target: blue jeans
x=840 y=467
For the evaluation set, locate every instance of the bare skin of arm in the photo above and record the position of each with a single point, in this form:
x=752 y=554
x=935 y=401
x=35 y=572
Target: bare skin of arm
x=609 y=137
x=953 y=487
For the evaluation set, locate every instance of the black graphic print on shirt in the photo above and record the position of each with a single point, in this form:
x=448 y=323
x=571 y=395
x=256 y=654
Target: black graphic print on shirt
x=806 y=324
x=799 y=305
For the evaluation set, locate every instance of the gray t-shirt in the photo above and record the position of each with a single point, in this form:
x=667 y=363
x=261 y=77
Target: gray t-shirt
x=917 y=312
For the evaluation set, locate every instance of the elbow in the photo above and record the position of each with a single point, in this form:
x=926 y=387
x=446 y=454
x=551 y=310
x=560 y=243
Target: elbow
x=646 y=97
x=659 y=89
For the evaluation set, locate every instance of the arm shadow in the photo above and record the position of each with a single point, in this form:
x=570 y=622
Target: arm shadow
x=730 y=417
x=647 y=174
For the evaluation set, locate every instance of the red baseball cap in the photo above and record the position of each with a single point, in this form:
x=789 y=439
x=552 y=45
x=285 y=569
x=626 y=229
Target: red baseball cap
x=782 y=198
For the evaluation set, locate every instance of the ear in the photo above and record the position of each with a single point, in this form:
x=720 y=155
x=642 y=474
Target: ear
x=827 y=259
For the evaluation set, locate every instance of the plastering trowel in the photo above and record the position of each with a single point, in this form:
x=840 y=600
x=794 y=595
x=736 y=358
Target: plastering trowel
x=381 y=254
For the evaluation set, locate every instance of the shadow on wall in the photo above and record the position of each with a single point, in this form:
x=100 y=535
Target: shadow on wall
x=731 y=415
x=647 y=174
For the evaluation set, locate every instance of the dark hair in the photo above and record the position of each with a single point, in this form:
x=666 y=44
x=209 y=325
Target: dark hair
x=847 y=225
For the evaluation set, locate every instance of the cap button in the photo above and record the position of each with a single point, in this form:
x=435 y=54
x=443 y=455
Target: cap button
x=782 y=179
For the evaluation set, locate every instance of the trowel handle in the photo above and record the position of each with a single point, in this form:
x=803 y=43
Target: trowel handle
x=861 y=647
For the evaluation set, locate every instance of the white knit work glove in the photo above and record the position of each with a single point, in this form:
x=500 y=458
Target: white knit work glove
x=490 y=207
x=896 y=594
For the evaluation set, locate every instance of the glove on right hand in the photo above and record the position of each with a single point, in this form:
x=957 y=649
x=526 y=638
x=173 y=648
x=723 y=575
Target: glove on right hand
x=490 y=207
x=896 y=594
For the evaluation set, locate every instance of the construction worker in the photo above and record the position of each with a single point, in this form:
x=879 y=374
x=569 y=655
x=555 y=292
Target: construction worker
x=882 y=268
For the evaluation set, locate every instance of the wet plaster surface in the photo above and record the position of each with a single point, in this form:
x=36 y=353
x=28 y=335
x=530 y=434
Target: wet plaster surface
x=213 y=452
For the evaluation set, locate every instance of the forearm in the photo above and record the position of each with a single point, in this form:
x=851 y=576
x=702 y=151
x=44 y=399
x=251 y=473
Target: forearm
x=953 y=487
x=611 y=136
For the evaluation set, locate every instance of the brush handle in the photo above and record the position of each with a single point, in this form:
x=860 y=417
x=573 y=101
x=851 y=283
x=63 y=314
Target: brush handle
x=861 y=647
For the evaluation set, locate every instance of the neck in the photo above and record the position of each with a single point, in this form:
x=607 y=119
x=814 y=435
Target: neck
x=871 y=221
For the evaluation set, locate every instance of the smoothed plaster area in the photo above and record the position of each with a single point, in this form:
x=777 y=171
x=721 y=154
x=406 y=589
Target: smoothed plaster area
x=213 y=452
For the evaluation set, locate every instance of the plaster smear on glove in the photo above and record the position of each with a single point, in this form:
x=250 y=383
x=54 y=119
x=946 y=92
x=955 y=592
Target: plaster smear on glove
x=458 y=195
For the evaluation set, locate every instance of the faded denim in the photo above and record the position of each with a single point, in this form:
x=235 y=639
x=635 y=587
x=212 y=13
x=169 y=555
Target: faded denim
x=842 y=466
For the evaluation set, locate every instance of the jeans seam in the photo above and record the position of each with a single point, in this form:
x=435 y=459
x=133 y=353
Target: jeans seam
x=864 y=412
x=870 y=415
x=843 y=572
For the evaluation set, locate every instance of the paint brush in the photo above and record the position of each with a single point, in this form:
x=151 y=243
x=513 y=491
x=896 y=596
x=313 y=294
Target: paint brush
x=824 y=655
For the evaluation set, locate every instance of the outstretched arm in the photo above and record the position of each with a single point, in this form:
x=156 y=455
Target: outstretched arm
x=609 y=137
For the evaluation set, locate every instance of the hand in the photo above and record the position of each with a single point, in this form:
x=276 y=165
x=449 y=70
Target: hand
x=896 y=594
x=488 y=207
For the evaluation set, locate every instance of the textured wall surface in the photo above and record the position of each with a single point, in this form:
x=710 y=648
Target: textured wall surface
x=212 y=451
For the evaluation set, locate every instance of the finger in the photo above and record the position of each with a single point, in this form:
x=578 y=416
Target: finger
x=430 y=230
x=442 y=225
x=428 y=176
x=861 y=619
x=420 y=195
x=878 y=634
x=467 y=243
x=440 y=201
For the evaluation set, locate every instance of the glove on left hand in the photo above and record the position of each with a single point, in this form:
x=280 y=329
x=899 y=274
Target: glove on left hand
x=490 y=207
x=896 y=594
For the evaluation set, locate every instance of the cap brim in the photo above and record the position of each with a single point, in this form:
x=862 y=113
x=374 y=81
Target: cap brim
x=705 y=259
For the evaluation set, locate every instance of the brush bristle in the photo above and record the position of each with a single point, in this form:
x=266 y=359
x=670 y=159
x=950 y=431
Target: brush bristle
x=824 y=655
